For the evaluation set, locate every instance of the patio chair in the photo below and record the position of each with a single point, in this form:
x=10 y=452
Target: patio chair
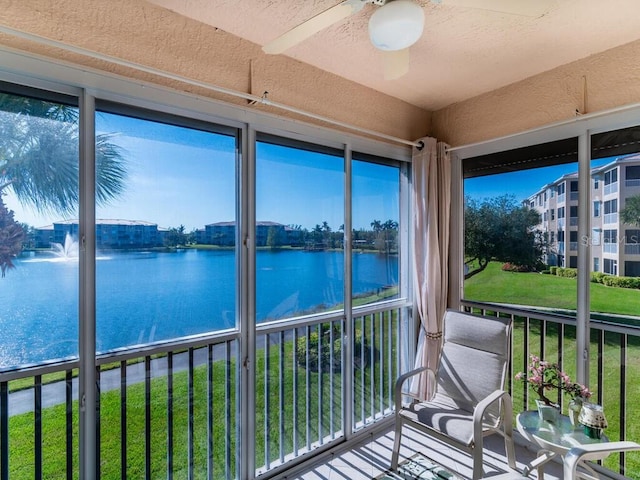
x=469 y=401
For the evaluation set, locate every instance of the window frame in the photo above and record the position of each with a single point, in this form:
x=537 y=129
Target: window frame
x=592 y=132
x=89 y=86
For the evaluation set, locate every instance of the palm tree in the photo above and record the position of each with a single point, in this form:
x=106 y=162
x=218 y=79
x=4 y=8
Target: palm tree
x=39 y=152
x=630 y=214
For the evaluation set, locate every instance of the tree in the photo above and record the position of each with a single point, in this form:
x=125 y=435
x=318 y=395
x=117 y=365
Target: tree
x=326 y=235
x=384 y=235
x=39 y=152
x=274 y=239
x=175 y=237
x=11 y=237
x=630 y=214
x=503 y=230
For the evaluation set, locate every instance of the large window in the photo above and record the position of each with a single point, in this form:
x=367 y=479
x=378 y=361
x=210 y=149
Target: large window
x=375 y=239
x=632 y=176
x=507 y=243
x=39 y=145
x=610 y=241
x=166 y=263
x=299 y=229
x=611 y=211
x=218 y=282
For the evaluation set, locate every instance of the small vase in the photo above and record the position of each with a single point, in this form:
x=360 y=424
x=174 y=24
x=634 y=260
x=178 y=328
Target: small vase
x=574 y=407
x=548 y=413
x=592 y=432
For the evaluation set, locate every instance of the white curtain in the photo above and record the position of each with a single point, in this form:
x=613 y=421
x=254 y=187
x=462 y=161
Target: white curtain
x=431 y=171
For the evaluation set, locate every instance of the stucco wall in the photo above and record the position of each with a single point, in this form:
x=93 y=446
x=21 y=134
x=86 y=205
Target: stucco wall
x=154 y=37
x=600 y=82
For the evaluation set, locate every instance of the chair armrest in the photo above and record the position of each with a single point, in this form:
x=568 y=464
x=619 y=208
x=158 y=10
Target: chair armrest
x=593 y=451
x=481 y=407
x=402 y=379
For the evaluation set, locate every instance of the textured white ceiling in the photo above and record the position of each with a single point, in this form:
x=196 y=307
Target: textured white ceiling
x=464 y=51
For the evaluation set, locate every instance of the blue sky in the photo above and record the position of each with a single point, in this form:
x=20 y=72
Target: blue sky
x=182 y=176
x=520 y=184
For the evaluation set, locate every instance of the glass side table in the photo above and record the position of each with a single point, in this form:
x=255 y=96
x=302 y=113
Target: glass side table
x=555 y=438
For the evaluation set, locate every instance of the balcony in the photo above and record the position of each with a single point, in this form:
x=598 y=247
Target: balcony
x=611 y=188
x=173 y=409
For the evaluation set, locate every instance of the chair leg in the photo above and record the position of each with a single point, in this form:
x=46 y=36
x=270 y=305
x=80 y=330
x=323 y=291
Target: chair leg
x=510 y=451
x=478 y=470
x=396 y=444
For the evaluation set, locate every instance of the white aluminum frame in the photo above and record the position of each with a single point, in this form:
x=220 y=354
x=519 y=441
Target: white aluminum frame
x=582 y=127
x=91 y=85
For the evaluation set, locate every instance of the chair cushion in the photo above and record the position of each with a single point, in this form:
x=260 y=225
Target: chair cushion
x=474 y=359
x=489 y=334
x=444 y=416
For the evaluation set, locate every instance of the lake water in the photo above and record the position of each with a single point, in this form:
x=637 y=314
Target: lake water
x=144 y=297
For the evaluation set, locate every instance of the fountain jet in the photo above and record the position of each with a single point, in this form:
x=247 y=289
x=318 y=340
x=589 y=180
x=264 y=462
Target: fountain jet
x=66 y=251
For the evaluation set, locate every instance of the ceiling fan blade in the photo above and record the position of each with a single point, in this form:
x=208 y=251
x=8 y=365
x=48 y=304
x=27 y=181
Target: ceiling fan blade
x=396 y=63
x=525 y=8
x=313 y=25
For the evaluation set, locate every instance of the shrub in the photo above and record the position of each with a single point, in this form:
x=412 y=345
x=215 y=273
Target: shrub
x=597 y=277
x=511 y=267
x=621 y=282
x=545 y=272
x=553 y=270
x=326 y=348
x=567 y=272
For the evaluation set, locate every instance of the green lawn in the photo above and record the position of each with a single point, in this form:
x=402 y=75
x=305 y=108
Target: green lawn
x=547 y=291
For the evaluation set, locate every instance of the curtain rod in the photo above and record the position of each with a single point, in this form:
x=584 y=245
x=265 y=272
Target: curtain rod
x=578 y=118
x=253 y=99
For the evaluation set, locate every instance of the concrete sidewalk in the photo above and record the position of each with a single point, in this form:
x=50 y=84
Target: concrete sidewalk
x=23 y=401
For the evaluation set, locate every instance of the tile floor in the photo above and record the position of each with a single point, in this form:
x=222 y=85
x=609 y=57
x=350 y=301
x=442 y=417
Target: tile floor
x=372 y=457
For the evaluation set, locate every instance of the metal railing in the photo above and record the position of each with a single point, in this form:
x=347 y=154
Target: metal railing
x=615 y=352
x=611 y=188
x=632 y=249
x=171 y=410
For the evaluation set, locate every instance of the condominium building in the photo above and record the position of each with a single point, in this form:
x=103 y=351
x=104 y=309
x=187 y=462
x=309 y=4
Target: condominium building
x=615 y=246
x=224 y=234
x=110 y=233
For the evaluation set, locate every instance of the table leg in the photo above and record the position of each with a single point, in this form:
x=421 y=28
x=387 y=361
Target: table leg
x=543 y=457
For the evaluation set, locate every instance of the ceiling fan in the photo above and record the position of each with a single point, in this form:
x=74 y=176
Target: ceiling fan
x=395 y=25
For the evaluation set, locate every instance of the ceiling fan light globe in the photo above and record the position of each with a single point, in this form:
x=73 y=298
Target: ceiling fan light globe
x=396 y=25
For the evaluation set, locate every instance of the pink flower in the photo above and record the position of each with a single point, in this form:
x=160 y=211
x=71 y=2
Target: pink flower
x=545 y=376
